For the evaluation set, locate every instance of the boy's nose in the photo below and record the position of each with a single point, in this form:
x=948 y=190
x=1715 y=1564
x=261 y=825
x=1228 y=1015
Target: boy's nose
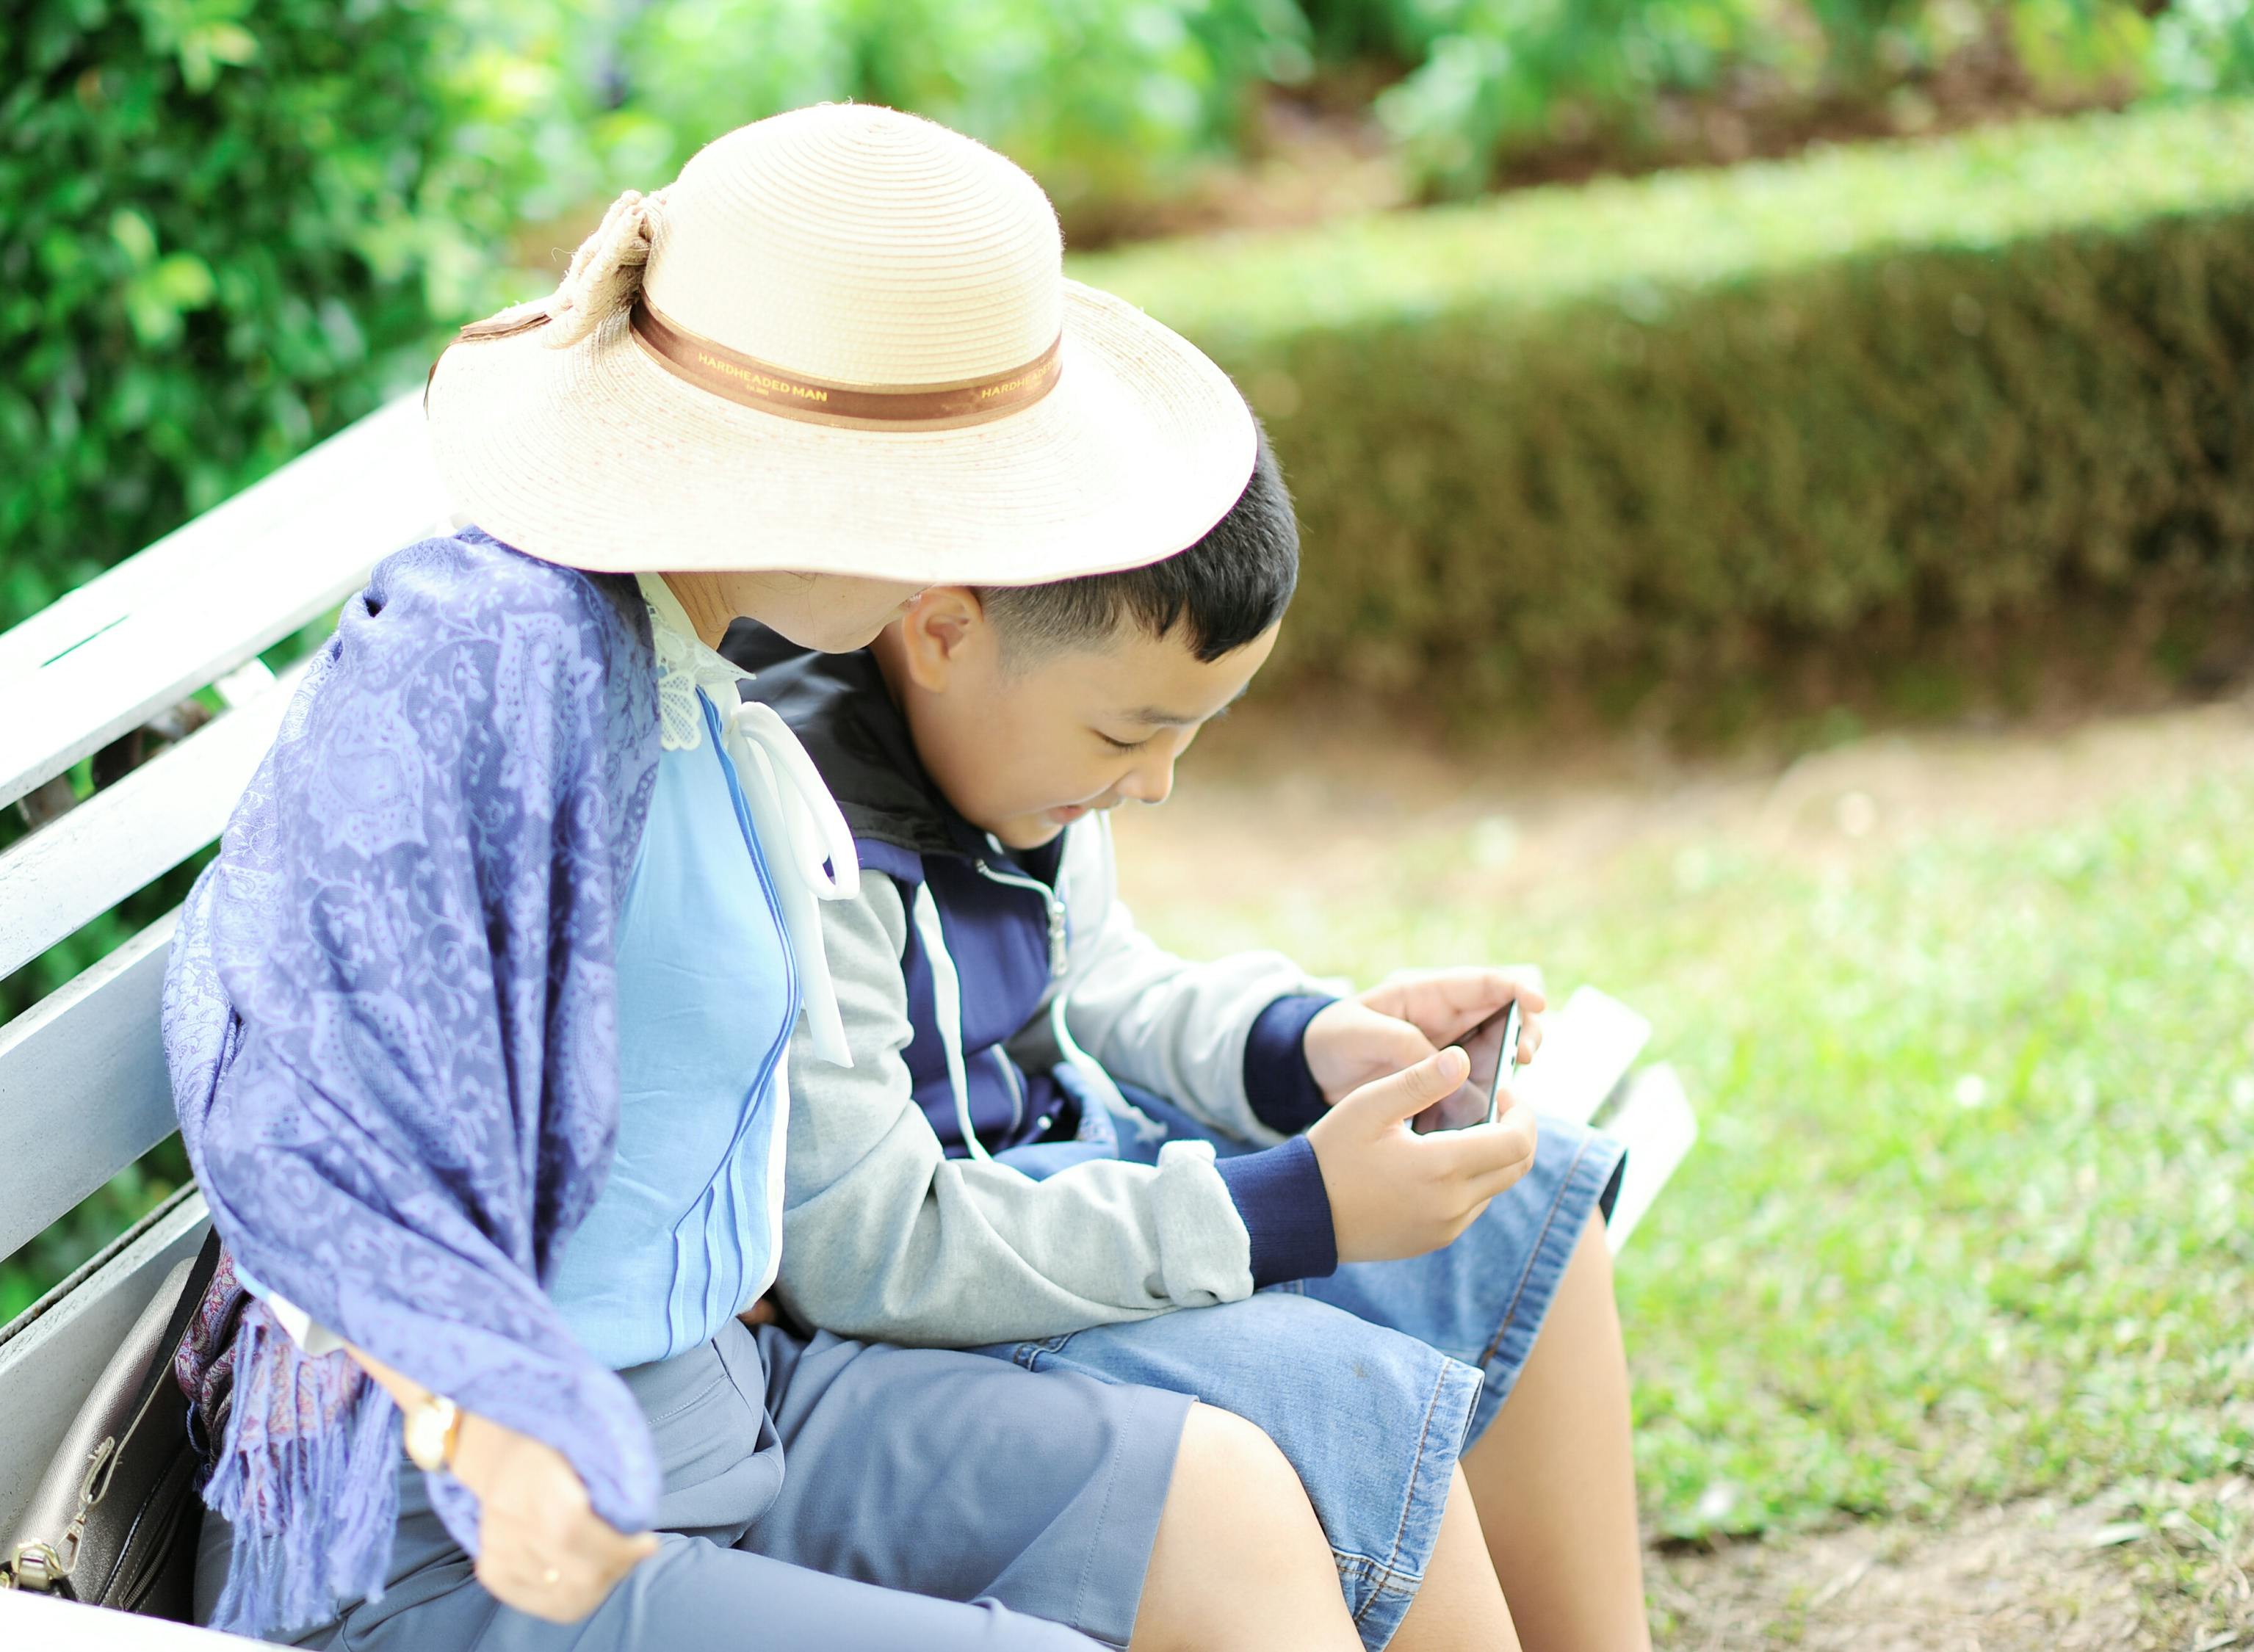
x=1150 y=782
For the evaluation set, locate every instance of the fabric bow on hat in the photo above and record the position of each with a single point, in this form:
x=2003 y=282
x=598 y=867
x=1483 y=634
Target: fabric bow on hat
x=603 y=279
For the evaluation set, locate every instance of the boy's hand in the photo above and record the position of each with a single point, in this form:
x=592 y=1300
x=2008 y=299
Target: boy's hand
x=1403 y=1022
x=1393 y=1193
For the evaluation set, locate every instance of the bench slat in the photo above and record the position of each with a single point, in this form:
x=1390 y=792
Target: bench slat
x=32 y=1621
x=79 y=866
x=105 y=658
x=47 y=1369
x=1586 y=1049
x=83 y=1088
x=1654 y=1122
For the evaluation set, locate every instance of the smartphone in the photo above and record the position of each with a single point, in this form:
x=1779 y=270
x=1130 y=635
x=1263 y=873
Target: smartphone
x=1506 y=1064
x=1506 y=1060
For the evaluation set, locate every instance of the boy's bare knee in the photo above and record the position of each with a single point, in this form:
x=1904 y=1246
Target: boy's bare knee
x=1235 y=1471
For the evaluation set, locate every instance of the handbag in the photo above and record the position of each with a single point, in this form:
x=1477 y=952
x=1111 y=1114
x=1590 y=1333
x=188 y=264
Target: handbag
x=115 y=1519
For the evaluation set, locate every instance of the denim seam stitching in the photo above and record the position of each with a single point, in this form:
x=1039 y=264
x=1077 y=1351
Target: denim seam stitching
x=1383 y=1579
x=1424 y=1436
x=1548 y=1220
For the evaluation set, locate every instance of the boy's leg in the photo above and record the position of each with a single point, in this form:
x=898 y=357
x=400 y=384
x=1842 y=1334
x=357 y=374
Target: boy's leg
x=1240 y=1560
x=1459 y=1608
x=1371 y=1420
x=1555 y=1479
x=1555 y=1490
x=1057 y=1496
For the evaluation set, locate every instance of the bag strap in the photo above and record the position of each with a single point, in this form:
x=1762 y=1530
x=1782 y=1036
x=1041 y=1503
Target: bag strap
x=46 y=1568
x=168 y=1349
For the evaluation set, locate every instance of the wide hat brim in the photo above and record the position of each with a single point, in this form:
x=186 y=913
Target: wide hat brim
x=598 y=457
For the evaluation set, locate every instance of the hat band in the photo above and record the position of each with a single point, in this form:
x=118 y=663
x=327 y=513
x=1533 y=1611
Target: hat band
x=749 y=383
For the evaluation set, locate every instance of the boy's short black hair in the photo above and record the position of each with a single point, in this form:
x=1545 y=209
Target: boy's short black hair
x=1224 y=591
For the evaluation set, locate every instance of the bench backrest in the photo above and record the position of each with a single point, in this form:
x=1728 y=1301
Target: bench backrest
x=83 y=1091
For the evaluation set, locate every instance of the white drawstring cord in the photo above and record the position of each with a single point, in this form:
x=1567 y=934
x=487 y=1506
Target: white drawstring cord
x=1091 y=1072
x=947 y=1002
x=821 y=846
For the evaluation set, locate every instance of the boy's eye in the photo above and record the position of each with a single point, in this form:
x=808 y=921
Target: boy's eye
x=1122 y=745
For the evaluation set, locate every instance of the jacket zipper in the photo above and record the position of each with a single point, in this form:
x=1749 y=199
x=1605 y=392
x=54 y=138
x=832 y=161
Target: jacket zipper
x=1060 y=949
x=1059 y=956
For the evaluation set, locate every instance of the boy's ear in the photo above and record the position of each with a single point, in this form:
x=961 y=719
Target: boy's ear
x=938 y=631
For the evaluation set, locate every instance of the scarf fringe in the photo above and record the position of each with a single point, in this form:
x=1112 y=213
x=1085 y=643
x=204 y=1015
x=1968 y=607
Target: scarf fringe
x=308 y=1477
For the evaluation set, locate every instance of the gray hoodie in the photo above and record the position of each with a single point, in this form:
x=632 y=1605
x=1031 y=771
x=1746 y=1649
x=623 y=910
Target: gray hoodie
x=884 y=1234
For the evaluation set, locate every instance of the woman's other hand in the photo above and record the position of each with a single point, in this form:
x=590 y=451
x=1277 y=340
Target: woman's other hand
x=542 y=1548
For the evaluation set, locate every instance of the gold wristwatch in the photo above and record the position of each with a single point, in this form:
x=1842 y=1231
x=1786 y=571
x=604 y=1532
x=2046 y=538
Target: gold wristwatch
x=431 y=1426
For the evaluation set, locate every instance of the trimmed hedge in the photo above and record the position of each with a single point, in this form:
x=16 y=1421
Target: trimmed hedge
x=1653 y=427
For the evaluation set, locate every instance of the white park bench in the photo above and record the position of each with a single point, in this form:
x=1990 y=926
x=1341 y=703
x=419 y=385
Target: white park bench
x=83 y=1089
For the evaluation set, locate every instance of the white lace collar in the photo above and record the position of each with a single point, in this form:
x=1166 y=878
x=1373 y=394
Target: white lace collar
x=812 y=839
x=684 y=664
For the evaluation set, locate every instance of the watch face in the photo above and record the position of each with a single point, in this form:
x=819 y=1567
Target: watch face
x=425 y=1429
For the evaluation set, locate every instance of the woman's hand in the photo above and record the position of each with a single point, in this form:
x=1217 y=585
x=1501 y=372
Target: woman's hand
x=541 y=1546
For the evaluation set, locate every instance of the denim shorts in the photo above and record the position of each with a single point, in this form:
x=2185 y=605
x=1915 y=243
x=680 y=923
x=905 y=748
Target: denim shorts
x=1374 y=1381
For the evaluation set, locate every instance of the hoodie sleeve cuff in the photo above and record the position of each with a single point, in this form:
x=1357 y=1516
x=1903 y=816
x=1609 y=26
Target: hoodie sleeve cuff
x=1279 y=1193
x=1283 y=1093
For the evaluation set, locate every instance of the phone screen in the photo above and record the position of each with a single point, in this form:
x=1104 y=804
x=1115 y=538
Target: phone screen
x=1442 y=1117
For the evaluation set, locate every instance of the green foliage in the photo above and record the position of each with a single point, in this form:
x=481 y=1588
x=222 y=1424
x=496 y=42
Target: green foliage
x=1644 y=427
x=1490 y=80
x=1111 y=102
x=225 y=230
x=1490 y=77
x=1966 y=1219
x=2201 y=47
x=1104 y=100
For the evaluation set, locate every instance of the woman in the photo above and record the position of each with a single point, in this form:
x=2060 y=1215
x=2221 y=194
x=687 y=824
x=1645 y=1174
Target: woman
x=477 y=1024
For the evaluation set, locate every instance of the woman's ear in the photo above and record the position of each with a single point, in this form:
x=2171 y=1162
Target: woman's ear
x=940 y=632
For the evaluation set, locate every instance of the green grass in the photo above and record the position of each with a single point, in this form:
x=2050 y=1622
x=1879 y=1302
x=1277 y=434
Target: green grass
x=1970 y=1218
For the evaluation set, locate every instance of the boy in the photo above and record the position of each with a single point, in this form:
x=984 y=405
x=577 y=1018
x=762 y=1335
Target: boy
x=1053 y=1133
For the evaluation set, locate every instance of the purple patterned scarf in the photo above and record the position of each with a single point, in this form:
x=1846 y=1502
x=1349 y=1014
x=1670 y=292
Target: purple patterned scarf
x=391 y=1021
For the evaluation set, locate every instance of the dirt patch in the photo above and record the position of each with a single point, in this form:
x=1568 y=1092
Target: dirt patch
x=1314 y=797
x=2122 y=1573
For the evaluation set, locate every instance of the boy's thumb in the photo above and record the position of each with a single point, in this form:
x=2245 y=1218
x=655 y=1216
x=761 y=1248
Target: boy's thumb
x=1405 y=1094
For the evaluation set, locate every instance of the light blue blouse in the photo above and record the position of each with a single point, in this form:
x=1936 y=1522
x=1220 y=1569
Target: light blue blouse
x=713 y=970
x=687 y=1228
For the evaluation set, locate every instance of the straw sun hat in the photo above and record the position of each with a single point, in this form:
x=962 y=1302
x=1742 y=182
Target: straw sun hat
x=840 y=341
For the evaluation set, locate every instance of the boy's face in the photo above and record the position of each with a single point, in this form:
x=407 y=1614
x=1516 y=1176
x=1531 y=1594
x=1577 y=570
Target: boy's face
x=1024 y=747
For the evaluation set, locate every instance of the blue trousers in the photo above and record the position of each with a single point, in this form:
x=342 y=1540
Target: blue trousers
x=934 y=1502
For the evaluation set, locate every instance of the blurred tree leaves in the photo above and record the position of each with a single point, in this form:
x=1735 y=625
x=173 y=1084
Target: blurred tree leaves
x=225 y=229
